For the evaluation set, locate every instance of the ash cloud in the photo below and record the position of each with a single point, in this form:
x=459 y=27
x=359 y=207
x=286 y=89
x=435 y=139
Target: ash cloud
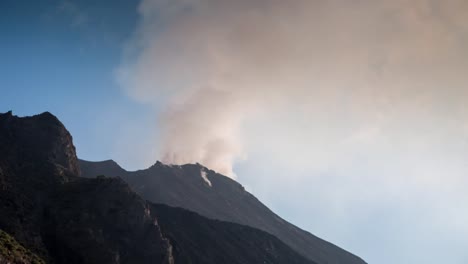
x=222 y=69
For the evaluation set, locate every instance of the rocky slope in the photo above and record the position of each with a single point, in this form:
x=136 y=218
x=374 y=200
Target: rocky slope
x=102 y=221
x=191 y=234
x=215 y=196
x=62 y=218
x=13 y=252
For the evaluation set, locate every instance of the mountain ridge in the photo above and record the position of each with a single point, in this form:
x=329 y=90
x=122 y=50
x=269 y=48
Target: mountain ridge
x=223 y=199
x=63 y=218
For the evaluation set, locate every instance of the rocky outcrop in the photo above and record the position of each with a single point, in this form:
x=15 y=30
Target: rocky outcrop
x=41 y=138
x=62 y=218
x=36 y=157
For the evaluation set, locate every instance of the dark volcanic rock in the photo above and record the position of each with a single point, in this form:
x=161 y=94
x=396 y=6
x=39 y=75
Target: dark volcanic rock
x=102 y=221
x=196 y=239
x=63 y=218
x=40 y=138
x=226 y=200
x=36 y=156
x=109 y=166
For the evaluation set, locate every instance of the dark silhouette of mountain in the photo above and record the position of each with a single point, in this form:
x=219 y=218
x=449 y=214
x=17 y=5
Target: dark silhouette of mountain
x=49 y=213
x=198 y=189
x=190 y=233
x=60 y=217
x=102 y=221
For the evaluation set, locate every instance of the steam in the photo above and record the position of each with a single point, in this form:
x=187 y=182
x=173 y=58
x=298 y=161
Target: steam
x=221 y=68
x=204 y=176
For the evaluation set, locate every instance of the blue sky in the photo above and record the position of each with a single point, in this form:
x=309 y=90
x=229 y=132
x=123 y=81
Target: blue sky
x=347 y=118
x=60 y=56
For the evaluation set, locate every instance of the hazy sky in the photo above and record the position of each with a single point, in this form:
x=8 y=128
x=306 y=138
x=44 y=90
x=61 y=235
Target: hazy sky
x=348 y=118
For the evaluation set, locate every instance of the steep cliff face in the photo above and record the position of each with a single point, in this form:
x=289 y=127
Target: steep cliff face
x=56 y=216
x=198 y=189
x=64 y=218
x=37 y=139
x=36 y=156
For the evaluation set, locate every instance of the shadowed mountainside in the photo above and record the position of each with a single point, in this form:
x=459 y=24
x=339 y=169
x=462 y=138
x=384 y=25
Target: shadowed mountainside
x=49 y=211
x=63 y=218
x=189 y=233
x=198 y=189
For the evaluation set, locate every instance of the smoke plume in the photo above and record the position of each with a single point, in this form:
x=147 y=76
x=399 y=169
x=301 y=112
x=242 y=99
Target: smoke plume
x=220 y=68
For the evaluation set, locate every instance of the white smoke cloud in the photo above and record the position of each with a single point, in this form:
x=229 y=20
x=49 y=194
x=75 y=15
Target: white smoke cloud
x=372 y=94
x=215 y=64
